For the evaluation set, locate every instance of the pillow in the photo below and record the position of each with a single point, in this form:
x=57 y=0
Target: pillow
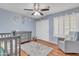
x=73 y=35
x=68 y=38
x=2 y=51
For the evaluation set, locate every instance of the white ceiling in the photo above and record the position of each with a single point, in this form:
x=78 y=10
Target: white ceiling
x=54 y=7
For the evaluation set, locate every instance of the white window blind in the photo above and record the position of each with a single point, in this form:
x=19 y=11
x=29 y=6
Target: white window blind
x=65 y=23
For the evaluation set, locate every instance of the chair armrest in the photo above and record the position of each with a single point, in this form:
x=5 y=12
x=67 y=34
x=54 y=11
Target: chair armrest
x=71 y=40
x=71 y=43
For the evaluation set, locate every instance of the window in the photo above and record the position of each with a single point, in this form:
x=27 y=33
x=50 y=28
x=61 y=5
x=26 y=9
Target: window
x=66 y=23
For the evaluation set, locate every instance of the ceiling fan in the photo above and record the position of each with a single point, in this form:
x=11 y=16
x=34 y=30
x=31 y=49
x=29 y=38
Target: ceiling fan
x=36 y=10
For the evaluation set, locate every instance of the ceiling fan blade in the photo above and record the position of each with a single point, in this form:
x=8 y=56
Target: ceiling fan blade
x=29 y=9
x=41 y=13
x=44 y=9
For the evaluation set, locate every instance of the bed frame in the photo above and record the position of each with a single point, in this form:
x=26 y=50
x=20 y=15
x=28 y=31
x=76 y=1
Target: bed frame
x=10 y=44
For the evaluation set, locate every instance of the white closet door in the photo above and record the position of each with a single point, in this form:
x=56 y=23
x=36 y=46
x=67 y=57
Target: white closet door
x=42 y=29
x=55 y=26
x=61 y=26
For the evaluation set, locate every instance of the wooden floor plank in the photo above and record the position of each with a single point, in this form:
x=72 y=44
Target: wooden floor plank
x=23 y=53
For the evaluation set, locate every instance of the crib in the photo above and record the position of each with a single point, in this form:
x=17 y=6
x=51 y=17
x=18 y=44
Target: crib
x=9 y=45
x=24 y=35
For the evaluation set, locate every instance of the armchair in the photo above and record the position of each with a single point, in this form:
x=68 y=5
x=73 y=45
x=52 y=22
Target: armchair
x=70 y=44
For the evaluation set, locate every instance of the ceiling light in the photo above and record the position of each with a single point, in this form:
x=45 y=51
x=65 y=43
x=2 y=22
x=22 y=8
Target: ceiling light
x=36 y=13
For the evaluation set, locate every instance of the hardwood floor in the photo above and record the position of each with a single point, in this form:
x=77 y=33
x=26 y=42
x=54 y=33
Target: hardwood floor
x=23 y=53
x=55 y=52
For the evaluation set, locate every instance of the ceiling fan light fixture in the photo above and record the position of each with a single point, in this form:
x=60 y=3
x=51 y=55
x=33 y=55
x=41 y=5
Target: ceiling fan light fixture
x=36 y=13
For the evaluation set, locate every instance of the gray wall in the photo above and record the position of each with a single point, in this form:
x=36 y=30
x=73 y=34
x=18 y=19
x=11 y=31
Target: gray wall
x=8 y=23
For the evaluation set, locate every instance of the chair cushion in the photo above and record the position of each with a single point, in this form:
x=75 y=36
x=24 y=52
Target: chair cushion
x=72 y=36
x=2 y=51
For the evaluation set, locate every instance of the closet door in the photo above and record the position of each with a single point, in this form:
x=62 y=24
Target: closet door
x=42 y=29
x=61 y=26
x=58 y=26
x=55 y=27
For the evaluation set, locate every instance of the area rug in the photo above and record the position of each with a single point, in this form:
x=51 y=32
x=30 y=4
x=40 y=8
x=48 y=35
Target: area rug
x=36 y=49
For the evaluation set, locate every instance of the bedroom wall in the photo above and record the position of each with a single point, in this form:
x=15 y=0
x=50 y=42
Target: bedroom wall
x=8 y=23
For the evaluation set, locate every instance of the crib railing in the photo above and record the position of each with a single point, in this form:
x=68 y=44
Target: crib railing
x=25 y=35
x=9 y=45
x=5 y=35
x=10 y=42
